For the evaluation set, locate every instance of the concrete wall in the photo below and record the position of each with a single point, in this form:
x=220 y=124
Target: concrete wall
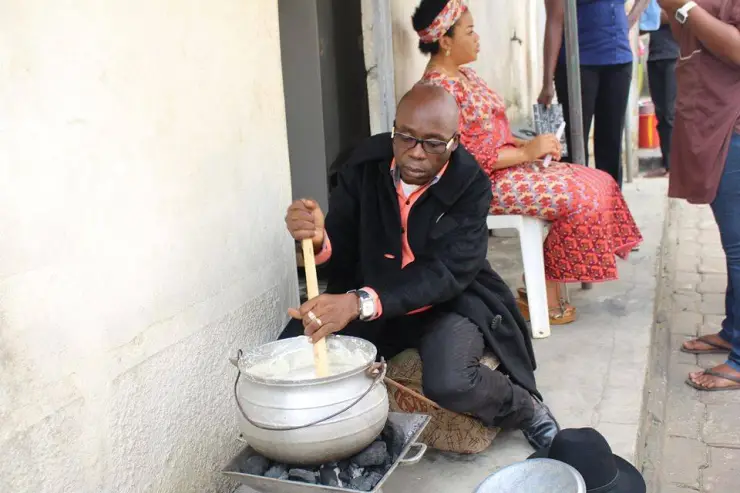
x=511 y=49
x=143 y=181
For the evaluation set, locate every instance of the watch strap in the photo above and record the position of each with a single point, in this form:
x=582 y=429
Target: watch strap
x=367 y=305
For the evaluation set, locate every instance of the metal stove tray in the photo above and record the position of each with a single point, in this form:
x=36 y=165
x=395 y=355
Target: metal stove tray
x=411 y=423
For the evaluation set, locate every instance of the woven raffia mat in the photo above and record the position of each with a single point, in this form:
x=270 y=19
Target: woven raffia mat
x=447 y=430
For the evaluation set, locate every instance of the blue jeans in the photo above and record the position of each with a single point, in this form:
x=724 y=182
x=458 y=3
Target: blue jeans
x=726 y=208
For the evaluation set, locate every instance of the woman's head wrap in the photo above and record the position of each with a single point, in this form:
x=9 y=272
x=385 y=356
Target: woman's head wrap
x=447 y=18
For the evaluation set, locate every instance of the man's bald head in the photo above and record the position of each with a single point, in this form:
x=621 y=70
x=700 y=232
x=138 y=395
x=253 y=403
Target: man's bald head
x=425 y=113
x=435 y=102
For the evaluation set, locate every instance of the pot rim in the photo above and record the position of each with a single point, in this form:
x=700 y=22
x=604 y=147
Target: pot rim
x=371 y=350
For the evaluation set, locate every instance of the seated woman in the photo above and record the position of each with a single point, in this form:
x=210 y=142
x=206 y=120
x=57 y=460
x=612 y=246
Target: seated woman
x=590 y=221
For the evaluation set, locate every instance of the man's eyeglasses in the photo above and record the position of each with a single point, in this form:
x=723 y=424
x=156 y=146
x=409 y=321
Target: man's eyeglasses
x=430 y=146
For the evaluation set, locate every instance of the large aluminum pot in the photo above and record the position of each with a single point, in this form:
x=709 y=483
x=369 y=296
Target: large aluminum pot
x=297 y=419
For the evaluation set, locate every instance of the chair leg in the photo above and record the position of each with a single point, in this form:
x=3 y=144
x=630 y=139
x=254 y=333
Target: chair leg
x=531 y=237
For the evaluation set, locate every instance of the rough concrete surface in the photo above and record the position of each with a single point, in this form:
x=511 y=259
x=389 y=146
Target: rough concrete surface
x=692 y=438
x=591 y=372
x=145 y=175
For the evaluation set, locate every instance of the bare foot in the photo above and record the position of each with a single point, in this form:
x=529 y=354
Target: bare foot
x=701 y=346
x=707 y=381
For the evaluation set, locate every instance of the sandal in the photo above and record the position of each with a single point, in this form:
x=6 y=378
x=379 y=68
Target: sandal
x=562 y=315
x=719 y=374
x=657 y=173
x=715 y=348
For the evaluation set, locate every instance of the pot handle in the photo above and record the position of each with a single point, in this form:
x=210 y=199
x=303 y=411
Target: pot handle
x=379 y=367
x=410 y=461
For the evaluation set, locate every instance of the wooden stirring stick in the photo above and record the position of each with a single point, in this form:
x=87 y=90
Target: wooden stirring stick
x=320 y=359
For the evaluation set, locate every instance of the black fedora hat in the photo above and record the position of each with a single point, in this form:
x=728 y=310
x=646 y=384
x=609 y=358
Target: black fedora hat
x=587 y=451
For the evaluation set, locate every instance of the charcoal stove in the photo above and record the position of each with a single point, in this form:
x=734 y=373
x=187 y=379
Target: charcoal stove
x=412 y=425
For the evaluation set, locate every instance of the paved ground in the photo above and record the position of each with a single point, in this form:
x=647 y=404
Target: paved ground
x=591 y=372
x=693 y=438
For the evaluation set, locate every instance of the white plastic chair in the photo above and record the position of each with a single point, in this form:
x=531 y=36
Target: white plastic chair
x=531 y=237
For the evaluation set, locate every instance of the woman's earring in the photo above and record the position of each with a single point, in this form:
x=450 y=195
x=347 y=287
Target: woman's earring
x=447 y=53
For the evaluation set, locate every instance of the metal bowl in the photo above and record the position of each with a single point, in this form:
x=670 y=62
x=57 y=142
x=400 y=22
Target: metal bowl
x=534 y=476
x=311 y=420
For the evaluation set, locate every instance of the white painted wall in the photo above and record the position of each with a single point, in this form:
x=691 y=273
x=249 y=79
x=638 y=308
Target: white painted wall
x=512 y=68
x=143 y=181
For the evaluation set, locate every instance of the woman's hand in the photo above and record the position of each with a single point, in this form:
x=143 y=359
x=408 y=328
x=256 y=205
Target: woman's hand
x=542 y=145
x=547 y=94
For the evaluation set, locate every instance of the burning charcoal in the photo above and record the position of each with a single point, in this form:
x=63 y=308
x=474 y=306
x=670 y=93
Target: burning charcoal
x=328 y=476
x=302 y=475
x=394 y=438
x=256 y=465
x=374 y=455
x=366 y=482
x=278 y=471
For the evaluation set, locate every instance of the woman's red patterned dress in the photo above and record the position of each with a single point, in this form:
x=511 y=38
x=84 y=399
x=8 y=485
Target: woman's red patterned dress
x=590 y=221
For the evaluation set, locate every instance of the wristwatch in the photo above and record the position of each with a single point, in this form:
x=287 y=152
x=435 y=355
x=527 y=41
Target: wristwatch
x=366 y=304
x=682 y=14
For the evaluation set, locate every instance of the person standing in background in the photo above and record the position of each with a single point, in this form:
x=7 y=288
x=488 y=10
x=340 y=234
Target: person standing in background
x=661 y=64
x=705 y=155
x=606 y=72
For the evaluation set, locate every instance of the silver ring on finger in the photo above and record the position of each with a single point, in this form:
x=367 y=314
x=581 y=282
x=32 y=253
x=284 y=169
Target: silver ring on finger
x=313 y=318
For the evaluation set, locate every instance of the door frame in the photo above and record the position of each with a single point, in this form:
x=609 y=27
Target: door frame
x=377 y=35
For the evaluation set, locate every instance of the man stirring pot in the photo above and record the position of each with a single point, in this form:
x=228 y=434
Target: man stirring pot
x=404 y=247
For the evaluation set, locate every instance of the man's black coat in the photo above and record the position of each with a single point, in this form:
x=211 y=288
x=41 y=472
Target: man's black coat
x=447 y=233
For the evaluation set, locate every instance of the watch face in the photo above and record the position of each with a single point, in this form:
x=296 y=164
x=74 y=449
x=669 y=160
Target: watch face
x=367 y=307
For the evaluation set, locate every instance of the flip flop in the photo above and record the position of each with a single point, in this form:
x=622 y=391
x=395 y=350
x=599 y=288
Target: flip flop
x=716 y=348
x=731 y=378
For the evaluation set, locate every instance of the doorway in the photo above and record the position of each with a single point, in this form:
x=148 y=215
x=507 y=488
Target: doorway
x=325 y=88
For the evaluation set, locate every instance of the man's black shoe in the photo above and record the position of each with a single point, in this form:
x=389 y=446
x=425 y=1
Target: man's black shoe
x=542 y=428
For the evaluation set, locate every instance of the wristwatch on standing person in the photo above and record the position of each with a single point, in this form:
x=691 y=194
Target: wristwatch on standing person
x=682 y=14
x=366 y=304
